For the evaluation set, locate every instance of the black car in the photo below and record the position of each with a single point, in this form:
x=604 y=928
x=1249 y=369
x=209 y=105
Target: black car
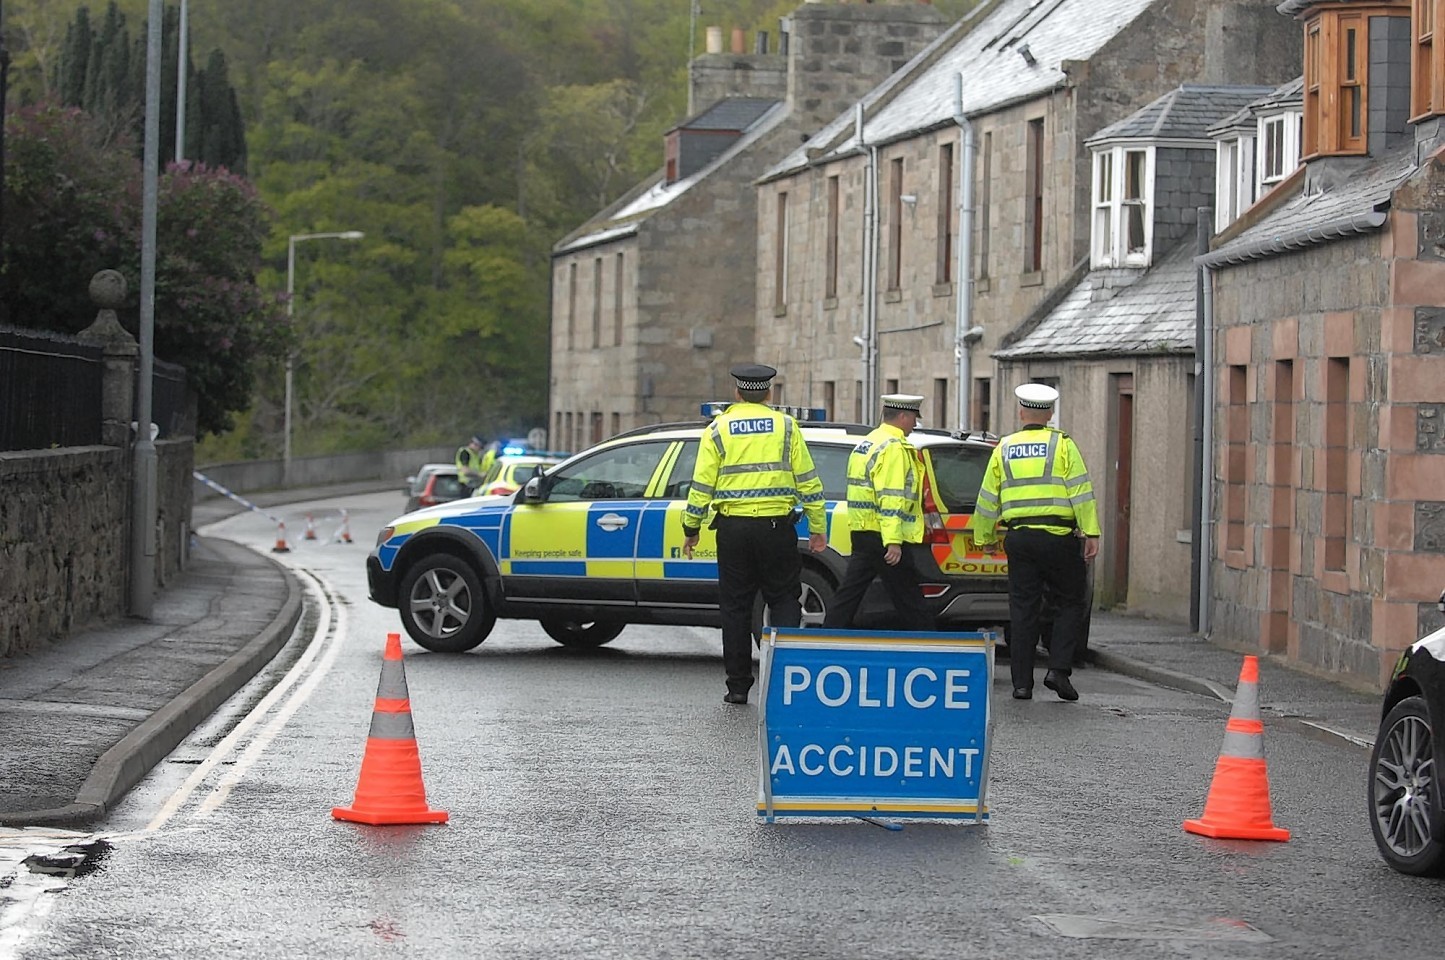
x=1407 y=803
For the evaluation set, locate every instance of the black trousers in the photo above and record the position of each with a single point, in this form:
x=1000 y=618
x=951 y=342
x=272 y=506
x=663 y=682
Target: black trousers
x=1035 y=559
x=755 y=554
x=901 y=581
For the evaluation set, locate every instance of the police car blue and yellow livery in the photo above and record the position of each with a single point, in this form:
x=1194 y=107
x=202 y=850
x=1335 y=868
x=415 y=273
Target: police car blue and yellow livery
x=597 y=541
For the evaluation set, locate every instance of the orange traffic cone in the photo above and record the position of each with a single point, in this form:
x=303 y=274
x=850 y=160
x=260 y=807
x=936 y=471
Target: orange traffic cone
x=344 y=534
x=390 y=789
x=310 y=533
x=281 y=545
x=1238 y=804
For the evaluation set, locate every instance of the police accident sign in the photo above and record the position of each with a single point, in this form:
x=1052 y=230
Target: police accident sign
x=874 y=723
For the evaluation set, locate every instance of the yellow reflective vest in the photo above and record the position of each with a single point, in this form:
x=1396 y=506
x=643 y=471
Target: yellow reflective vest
x=885 y=487
x=476 y=461
x=753 y=462
x=1035 y=476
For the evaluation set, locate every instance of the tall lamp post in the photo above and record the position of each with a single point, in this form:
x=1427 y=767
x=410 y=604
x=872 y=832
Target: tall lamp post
x=290 y=313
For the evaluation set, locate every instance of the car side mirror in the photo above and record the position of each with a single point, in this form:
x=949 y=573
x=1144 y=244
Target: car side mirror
x=535 y=491
x=1441 y=604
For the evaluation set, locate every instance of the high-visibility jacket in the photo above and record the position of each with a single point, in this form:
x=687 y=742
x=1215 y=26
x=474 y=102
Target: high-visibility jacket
x=476 y=461
x=885 y=487
x=753 y=462
x=1036 y=478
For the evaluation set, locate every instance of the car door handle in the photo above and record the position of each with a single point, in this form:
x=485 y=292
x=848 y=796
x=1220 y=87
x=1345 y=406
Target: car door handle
x=612 y=522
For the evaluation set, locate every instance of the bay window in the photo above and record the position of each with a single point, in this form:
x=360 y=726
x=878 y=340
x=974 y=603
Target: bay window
x=1123 y=201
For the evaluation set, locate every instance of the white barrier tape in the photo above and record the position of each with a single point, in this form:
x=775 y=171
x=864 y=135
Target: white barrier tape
x=236 y=497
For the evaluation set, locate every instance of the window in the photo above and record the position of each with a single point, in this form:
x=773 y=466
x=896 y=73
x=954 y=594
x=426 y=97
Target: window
x=1123 y=203
x=830 y=251
x=1034 y=199
x=982 y=403
x=571 y=304
x=940 y=403
x=943 y=273
x=617 y=302
x=1337 y=458
x=890 y=386
x=616 y=423
x=597 y=302
x=829 y=396
x=618 y=473
x=1279 y=149
x=1236 y=437
x=857 y=401
x=567 y=437
x=1337 y=76
x=985 y=195
x=780 y=257
x=1235 y=183
x=895 y=224
x=1427 y=87
x=596 y=428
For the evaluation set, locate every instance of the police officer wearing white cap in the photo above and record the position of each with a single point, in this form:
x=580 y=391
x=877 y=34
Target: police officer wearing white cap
x=885 y=515
x=754 y=470
x=1038 y=487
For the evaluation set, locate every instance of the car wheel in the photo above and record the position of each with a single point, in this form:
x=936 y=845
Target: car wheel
x=582 y=633
x=443 y=605
x=1405 y=801
x=815 y=593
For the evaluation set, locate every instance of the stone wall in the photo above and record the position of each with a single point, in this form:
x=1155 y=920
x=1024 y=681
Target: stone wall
x=65 y=537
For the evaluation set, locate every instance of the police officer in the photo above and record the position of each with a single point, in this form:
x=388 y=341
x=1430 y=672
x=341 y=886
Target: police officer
x=754 y=469
x=1038 y=487
x=473 y=462
x=885 y=514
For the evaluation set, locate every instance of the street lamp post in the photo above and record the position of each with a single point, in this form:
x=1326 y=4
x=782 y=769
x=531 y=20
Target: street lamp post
x=290 y=313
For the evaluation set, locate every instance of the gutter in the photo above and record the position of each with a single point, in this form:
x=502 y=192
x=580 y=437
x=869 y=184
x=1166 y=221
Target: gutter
x=1350 y=226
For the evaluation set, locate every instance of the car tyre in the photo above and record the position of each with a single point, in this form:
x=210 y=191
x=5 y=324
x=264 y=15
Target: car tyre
x=443 y=605
x=1406 y=815
x=582 y=633
x=815 y=594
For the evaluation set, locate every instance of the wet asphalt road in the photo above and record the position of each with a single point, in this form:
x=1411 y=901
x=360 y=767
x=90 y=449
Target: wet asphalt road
x=601 y=806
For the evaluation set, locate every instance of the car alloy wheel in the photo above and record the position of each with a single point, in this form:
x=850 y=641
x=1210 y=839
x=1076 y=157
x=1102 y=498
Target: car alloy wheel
x=1406 y=816
x=444 y=607
x=815 y=593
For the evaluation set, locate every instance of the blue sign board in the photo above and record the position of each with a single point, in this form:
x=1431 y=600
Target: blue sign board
x=874 y=724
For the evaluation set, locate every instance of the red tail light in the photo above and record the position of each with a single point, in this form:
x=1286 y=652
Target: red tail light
x=500 y=489
x=933 y=528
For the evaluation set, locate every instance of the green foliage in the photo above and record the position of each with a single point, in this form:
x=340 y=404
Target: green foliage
x=73 y=207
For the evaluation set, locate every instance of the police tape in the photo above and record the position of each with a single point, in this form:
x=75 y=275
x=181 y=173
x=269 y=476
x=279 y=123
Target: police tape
x=234 y=496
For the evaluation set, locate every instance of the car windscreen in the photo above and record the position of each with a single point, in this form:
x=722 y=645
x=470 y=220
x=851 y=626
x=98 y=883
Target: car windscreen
x=958 y=472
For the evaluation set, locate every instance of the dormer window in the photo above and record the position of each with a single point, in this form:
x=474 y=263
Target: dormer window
x=1235 y=185
x=1427 y=60
x=1339 y=41
x=1123 y=199
x=1279 y=149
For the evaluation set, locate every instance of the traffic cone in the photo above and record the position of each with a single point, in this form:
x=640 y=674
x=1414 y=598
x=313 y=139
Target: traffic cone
x=310 y=533
x=344 y=534
x=390 y=789
x=281 y=545
x=1237 y=807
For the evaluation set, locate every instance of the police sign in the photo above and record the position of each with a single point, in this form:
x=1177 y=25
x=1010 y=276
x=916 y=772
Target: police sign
x=874 y=723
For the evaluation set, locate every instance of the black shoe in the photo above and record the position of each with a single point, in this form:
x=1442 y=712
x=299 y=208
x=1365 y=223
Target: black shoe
x=1059 y=683
x=731 y=697
x=1023 y=693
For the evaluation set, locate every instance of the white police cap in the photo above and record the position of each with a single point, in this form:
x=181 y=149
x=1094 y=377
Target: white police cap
x=1036 y=396
x=903 y=401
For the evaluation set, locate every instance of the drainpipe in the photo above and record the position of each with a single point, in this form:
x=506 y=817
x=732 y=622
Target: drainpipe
x=869 y=341
x=1206 y=473
x=966 y=333
x=1201 y=247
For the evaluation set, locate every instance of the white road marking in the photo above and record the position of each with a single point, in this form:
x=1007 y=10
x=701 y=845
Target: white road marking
x=223 y=749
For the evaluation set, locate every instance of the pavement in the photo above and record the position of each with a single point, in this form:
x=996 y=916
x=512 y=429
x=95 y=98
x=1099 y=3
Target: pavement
x=87 y=717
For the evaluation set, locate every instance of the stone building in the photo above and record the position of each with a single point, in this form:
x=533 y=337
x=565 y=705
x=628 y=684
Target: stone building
x=653 y=298
x=1327 y=470
x=1121 y=341
x=1038 y=80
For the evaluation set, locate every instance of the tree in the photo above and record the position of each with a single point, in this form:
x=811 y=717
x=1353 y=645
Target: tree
x=74 y=208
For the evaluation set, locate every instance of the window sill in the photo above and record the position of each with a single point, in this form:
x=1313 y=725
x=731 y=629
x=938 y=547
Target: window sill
x=1035 y=279
x=830 y=304
x=943 y=289
x=780 y=309
x=982 y=285
x=892 y=296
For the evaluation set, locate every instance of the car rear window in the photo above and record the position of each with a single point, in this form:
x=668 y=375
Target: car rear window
x=958 y=472
x=831 y=461
x=447 y=485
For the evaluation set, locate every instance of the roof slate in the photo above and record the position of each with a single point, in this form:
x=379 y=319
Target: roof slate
x=1366 y=190
x=1184 y=113
x=995 y=72
x=733 y=113
x=1153 y=315
x=1285 y=97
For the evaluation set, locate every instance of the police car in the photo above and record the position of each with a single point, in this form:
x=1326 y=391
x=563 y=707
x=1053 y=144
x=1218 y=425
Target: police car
x=595 y=543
